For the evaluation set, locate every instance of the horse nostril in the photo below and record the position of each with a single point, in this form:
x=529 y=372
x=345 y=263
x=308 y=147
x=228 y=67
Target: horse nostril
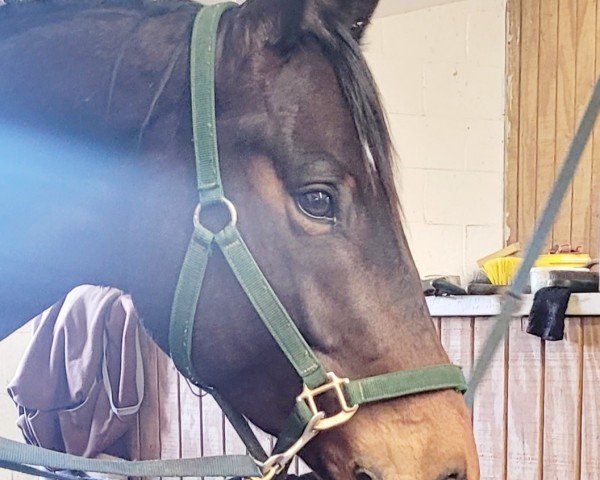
x=364 y=474
x=454 y=476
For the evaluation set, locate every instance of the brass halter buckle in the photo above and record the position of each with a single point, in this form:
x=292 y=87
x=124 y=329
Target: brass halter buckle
x=336 y=385
x=278 y=463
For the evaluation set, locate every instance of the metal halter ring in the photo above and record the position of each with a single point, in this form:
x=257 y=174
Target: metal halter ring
x=335 y=384
x=279 y=462
x=233 y=216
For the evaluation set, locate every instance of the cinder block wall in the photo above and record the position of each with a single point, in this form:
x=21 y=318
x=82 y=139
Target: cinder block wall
x=441 y=71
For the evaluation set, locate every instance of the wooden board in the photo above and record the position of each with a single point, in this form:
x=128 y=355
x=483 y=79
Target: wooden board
x=590 y=433
x=546 y=107
x=489 y=409
x=190 y=415
x=595 y=197
x=213 y=433
x=565 y=106
x=525 y=404
x=148 y=424
x=169 y=409
x=512 y=124
x=562 y=406
x=457 y=339
x=585 y=79
x=553 y=59
x=528 y=113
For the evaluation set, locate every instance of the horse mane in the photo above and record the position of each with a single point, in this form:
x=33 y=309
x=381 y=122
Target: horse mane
x=364 y=100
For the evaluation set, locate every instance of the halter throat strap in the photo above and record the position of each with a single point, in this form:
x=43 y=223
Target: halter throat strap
x=350 y=393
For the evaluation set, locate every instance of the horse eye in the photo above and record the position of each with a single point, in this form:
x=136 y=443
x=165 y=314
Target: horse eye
x=317 y=204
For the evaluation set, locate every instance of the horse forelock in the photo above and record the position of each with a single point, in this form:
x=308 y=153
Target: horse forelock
x=363 y=99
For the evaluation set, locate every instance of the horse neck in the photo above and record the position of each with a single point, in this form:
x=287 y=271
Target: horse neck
x=75 y=102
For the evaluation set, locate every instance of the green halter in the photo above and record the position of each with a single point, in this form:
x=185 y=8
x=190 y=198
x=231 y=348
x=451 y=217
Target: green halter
x=350 y=393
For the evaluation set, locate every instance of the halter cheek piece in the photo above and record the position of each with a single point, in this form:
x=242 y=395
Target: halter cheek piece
x=306 y=420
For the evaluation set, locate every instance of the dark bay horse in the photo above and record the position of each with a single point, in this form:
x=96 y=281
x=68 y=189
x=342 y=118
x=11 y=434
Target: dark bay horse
x=97 y=185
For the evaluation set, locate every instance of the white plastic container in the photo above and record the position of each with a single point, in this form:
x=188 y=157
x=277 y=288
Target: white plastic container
x=540 y=276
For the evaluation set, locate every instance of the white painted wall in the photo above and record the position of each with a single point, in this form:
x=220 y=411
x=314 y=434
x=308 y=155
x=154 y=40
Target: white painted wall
x=441 y=72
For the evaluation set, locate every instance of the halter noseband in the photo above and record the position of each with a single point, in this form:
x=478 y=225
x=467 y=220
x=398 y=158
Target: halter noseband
x=306 y=420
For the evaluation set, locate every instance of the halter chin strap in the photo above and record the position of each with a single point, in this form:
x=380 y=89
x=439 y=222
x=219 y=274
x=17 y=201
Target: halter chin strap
x=306 y=419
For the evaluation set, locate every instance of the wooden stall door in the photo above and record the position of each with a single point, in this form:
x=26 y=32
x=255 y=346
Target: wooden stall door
x=536 y=413
x=553 y=59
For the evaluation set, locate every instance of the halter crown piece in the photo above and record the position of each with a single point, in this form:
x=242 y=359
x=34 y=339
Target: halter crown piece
x=306 y=420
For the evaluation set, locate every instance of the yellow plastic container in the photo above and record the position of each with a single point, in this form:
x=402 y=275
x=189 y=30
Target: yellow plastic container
x=501 y=271
x=563 y=260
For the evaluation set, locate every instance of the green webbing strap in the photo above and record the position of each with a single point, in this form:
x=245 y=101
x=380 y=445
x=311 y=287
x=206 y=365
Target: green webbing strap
x=404 y=383
x=13 y=453
x=378 y=388
x=202 y=71
x=199 y=249
x=181 y=328
x=41 y=472
x=269 y=308
x=183 y=310
x=254 y=283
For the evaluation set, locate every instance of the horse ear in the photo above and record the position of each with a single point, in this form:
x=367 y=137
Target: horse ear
x=352 y=14
x=275 y=23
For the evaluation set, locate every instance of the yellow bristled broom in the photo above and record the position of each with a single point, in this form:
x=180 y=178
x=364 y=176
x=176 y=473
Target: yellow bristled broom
x=501 y=271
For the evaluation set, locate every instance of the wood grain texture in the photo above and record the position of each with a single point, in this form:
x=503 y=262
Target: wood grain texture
x=525 y=386
x=512 y=122
x=169 y=409
x=565 y=106
x=525 y=403
x=595 y=207
x=190 y=420
x=552 y=64
x=488 y=409
x=546 y=123
x=590 y=432
x=562 y=405
x=213 y=435
x=149 y=424
x=585 y=76
x=457 y=339
x=528 y=113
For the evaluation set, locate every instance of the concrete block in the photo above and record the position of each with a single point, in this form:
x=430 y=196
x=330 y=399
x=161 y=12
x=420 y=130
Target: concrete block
x=411 y=189
x=408 y=134
x=446 y=32
x=463 y=198
x=400 y=85
x=485 y=97
x=405 y=37
x=430 y=142
x=445 y=143
x=372 y=41
x=437 y=249
x=444 y=85
x=481 y=241
x=486 y=34
x=485 y=145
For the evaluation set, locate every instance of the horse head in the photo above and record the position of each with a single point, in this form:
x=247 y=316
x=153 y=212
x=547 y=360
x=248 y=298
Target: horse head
x=306 y=159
